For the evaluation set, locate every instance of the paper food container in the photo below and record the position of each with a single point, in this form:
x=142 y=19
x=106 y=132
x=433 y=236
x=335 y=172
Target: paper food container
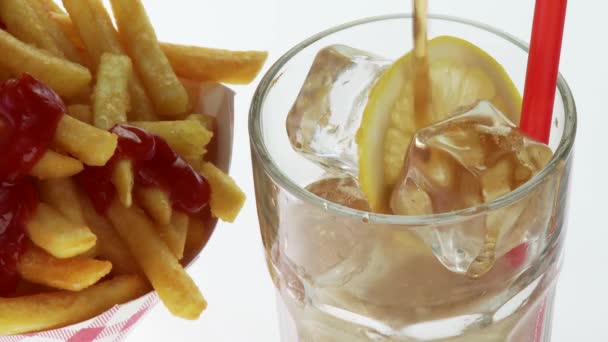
x=113 y=325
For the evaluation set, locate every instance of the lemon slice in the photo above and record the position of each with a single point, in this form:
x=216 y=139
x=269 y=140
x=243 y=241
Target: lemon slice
x=460 y=72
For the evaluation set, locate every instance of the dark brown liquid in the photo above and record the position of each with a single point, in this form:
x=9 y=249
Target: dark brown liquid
x=422 y=80
x=422 y=109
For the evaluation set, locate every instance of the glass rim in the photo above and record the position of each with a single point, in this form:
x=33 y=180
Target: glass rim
x=562 y=152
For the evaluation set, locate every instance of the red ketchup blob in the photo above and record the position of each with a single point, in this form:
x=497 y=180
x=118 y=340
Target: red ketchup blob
x=29 y=114
x=154 y=164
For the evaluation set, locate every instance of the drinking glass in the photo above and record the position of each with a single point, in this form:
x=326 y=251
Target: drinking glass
x=347 y=275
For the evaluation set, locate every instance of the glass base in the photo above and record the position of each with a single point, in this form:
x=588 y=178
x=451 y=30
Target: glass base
x=531 y=323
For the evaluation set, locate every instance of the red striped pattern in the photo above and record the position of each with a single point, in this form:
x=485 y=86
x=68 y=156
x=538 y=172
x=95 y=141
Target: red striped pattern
x=111 y=326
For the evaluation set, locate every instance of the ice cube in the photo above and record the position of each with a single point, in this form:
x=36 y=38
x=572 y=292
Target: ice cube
x=472 y=158
x=326 y=114
x=341 y=190
x=327 y=249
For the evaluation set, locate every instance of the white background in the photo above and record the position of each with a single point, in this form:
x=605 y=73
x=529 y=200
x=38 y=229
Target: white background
x=231 y=271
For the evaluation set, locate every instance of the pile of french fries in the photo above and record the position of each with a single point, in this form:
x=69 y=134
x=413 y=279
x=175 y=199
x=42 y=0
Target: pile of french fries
x=79 y=263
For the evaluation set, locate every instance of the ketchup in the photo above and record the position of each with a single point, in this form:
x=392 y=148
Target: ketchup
x=29 y=114
x=154 y=164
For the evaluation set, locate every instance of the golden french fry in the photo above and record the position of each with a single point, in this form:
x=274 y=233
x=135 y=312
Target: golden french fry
x=174 y=286
x=22 y=21
x=217 y=65
x=110 y=97
x=52 y=232
x=109 y=244
x=180 y=222
x=187 y=137
x=81 y=112
x=227 y=198
x=62 y=194
x=73 y=274
x=52 y=7
x=68 y=79
x=156 y=203
x=141 y=106
x=93 y=146
x=174 y=234
x=166 y=92
x=55 y=309
x=55 y=165
x=193 y=62
x=197 y=236
x=94 y=26
x=92 y=23
x=65 y=22
x=123 y=180
x=110 y=107
x=50 y=26
x=207 y=121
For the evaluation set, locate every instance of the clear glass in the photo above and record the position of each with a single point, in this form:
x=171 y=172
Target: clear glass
x=347 y=275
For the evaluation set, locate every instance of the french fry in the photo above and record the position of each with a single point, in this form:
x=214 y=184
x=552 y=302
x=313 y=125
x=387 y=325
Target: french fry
x=68 y=79
x=109 y=244
x=217 y=65
x=174 y=286
x=55 y=165
x=187 y=137
x=52 y=232
x=141 y=106
x=92 y=23
x=91 y=145
x=156 y=203
x=110 y=107
x=54 y=309
x=62 y=194
x=73 y=274
x=166 y=92
x=61 y=40
x=70 y=247
x=180 y=222
x=207 y=121
x=52 y=7
x=197 y=236
x=193 y=62
x=123 y=180
x=81 y=112
x=65 y=22
x=227 y=198
x=174 y=234
x=22 y=21
x=210 y=149
x=110 y=97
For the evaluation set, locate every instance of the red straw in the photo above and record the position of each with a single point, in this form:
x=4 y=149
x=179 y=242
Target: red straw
x=543 y=65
